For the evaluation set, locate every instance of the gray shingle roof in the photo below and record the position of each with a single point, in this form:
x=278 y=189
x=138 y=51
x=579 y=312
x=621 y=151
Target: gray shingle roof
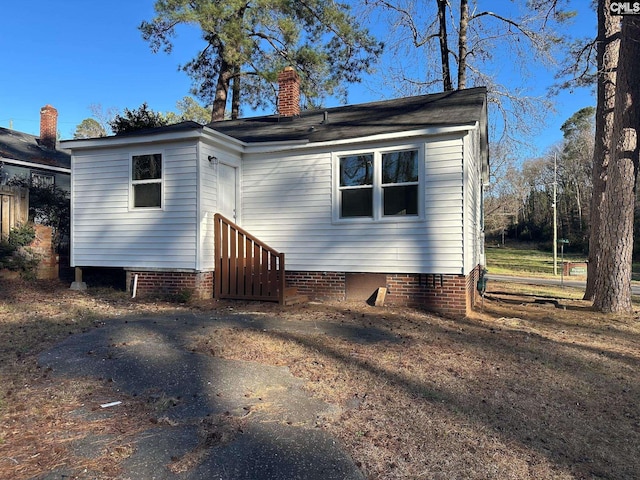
x=390 y=116
x=459 y=107
x=16 y=145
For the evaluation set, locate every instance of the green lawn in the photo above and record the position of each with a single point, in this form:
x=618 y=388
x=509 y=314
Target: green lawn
x=525 y=260
x=529 y=261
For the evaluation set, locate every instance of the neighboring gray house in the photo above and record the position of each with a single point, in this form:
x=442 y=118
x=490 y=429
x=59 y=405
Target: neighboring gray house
x=385 y=194
x=35 y=158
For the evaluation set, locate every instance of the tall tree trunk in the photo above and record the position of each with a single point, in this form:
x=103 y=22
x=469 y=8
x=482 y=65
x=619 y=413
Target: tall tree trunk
x=222 y=91
x=608 y=43
x=613 y=284
x=444 y=47
x=235 y=94
x=231 y=61
x=462 y=44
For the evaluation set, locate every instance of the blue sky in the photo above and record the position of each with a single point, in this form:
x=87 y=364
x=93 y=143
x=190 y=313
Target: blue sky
x=74 y=53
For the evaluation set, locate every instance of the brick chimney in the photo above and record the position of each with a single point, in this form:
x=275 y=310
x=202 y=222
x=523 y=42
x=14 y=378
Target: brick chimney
x=288 y=92
x=48 y=127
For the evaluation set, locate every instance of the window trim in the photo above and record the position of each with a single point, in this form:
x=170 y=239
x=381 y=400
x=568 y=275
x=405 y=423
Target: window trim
x=378 y=199
x=133 y=182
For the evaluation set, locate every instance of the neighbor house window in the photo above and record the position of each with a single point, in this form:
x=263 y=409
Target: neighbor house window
x=42 y=179
x=379 y=184
x=146 y=180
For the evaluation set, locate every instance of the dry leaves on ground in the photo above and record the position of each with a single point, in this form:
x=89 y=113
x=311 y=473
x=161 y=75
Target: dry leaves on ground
x=531 y=387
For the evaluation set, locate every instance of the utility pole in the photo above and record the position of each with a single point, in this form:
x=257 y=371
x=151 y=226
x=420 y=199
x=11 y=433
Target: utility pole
x=555 y=215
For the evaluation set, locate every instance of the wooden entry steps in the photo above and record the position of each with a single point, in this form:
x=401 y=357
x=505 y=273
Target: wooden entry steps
x=247 y=268
x=292 y=297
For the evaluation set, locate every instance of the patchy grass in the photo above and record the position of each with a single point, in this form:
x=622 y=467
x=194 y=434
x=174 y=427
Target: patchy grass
x=533 y=386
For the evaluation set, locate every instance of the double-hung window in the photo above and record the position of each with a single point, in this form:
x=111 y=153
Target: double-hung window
x=400 y=181
x=146 y=181
x=356 y=186
x=379 y=184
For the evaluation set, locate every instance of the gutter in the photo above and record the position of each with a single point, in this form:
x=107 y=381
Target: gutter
x=40 y=166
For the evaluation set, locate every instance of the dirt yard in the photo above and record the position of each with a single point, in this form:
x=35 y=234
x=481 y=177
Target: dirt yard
x=533 y=386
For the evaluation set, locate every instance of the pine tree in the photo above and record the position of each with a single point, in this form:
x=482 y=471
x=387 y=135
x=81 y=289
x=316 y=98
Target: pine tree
x=613 y=282
x=248 y=42
x=607 y=46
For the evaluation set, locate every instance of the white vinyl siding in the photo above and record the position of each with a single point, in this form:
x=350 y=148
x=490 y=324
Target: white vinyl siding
x=209 y=198
x=107 y=233
x=473 y=244
x=208 y=180
x=444 y=200
x=288 y=201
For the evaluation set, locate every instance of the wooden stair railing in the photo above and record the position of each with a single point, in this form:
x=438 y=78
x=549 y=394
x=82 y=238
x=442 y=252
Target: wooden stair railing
x=246 y=268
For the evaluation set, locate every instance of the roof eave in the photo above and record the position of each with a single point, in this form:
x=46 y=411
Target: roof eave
x=116 y=141
x=150 y=137
x=41 y=166
x=229 y=141
x=268 y=147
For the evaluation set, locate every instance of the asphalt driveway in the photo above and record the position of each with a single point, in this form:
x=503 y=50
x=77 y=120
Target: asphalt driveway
x=223 y=419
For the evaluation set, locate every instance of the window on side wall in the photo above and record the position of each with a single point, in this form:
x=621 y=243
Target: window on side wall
x=146 y=181
x=356 y=186
x=400 y=183
x=379 y=185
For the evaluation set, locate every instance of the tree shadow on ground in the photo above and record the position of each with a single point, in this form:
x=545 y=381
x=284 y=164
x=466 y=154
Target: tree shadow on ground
x=572 y=404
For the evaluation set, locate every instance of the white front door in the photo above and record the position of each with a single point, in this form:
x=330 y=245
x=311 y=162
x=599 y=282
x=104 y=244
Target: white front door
x=227 y=191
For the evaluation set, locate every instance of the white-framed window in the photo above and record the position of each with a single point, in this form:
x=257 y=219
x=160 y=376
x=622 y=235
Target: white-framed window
x=400 y=183
x=356 y=185
x=39 y=179
x=146 y=180
x=379 y=184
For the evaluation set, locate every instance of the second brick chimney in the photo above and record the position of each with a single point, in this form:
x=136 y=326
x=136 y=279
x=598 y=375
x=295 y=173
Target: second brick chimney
x=48 y=127
x=288 y=92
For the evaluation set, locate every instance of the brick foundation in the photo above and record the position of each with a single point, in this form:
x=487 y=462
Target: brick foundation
x=199 y=285
x=451 y=295
x=318 y=285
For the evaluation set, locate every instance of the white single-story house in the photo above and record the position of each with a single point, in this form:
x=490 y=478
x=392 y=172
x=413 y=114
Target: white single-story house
x=385 y=194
